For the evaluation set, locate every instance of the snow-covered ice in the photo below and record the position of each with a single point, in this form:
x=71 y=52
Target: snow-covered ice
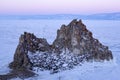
x=107 y=31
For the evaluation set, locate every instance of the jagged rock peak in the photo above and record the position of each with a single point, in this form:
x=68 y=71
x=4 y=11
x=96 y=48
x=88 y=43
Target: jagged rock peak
x=74 y=22
x=77 y=39
x=71 y=35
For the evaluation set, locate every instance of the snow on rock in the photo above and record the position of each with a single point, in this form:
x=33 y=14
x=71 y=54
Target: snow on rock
x=27 y=42
x=73 y=45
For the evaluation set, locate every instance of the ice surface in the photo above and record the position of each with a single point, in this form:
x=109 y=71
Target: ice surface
x=107 y=31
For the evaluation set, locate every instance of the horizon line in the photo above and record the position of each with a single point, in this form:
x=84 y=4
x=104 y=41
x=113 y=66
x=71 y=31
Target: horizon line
x=57 y=14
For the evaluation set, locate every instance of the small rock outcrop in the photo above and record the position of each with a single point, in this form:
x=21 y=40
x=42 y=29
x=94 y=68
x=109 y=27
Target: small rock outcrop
x=74 y=44
x=28 y=43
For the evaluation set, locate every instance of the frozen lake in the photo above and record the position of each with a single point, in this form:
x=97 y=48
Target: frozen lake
x=107 y=31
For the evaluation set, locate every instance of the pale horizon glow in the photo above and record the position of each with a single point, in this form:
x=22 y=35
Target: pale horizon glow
x=29 y=7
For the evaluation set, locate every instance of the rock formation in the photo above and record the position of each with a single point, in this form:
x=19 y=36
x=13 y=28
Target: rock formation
x=73 y=45
x=78 y=40
x=28 y=43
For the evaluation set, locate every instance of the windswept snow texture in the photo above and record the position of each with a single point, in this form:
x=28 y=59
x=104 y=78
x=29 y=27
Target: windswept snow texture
x=106 y=31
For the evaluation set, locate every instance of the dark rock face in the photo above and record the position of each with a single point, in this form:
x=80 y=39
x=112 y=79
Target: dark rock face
x=73 y=44
x=28 y=42
x=23 y=73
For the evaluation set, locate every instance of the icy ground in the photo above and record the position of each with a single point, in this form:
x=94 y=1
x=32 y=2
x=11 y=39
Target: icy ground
x=106 y=31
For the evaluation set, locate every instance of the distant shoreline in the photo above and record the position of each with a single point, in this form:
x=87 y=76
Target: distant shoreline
x=102 y=16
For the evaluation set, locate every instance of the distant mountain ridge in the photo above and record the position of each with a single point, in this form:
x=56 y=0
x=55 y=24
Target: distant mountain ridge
x=100 y=16
x=106 y=16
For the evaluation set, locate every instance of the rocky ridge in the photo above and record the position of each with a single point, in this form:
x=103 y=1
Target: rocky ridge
x=73 y=45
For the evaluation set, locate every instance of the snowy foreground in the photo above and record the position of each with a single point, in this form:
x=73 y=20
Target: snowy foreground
x=106 y=31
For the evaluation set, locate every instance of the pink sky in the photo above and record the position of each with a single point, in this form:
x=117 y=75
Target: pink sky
x=58 y=6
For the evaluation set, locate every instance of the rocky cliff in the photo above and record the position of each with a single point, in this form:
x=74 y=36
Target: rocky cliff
x=74 y=44
x=79 y=40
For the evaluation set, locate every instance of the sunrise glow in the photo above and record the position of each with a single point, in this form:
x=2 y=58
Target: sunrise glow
x=58 y=6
